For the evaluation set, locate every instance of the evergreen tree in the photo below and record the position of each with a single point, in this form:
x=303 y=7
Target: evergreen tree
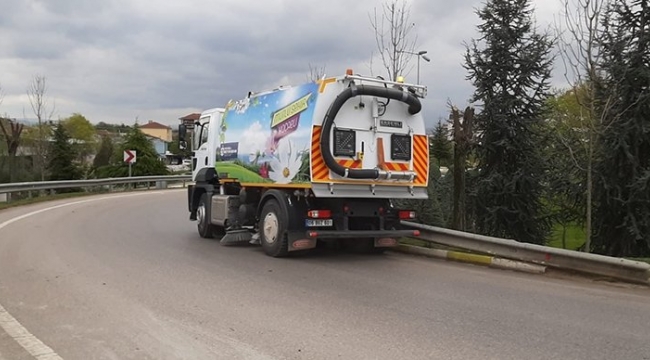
x=62 y=154
x=622 y=184
x=441 y=148
x=105 y=152
x=429 y=210
x=510 y=74
x=147 y=161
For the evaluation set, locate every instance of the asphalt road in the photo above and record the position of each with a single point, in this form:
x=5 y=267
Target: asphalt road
x=129 y=278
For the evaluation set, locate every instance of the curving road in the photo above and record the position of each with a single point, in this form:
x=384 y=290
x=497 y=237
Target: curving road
x=129 y=278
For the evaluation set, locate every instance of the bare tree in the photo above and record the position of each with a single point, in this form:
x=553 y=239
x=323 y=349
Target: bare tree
x=316 y=73
x=393 y=34
x=11 y=131
x=369 y=65
x=462 y=135
x=579 y=35
x=37 y=98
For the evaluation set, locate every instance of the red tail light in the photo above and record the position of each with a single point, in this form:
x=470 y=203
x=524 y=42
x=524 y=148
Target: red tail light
x=406 y=215
x=319 y=214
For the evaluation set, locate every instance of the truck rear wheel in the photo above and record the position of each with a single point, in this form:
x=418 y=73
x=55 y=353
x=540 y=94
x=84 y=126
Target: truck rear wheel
x=273 y=229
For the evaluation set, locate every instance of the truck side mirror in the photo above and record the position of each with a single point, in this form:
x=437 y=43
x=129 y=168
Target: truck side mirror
x=182 y=145
x=182 y=133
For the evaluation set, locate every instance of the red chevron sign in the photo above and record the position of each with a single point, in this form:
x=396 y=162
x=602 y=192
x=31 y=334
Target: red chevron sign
x=129 y=156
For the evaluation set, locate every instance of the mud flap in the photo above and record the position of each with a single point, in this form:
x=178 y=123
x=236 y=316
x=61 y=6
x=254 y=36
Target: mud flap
x=298 y=241
x=386 y=242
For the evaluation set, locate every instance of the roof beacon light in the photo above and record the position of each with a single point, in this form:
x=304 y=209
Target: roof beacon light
x=400 y=79
x=349 y=72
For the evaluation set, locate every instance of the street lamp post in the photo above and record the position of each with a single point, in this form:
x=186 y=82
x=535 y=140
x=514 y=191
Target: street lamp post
x=419 y=54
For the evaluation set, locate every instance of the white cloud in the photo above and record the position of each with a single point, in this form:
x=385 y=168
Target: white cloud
x=252 y=139
x=116 y=60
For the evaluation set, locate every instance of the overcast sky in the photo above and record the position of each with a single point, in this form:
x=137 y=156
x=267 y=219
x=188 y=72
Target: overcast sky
x=115 y=60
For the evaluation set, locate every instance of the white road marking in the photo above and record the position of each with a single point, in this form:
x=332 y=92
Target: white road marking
x=24 y=338
x=11 y=326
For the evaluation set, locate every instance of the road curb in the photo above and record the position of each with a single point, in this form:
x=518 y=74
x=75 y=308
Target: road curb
x=484 y=260
x=553 y=258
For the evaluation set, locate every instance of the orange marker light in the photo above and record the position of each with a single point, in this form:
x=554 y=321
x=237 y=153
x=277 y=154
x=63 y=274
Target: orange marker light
x=348 y=72
x=406 y=215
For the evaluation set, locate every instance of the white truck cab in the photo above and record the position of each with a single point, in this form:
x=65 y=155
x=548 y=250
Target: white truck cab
x=204 y=146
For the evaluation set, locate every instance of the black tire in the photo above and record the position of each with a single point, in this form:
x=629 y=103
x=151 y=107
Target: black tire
x=218 y=232
x=273 y=229
x=206 y=230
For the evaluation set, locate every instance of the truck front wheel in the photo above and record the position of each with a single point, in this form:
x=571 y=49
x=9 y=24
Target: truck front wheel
x=205 y=228
x=273 y=229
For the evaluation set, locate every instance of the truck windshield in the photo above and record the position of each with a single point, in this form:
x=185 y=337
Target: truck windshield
x=201 y=132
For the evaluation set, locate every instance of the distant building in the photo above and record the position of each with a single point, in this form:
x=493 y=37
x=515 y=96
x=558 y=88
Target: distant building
x=115 y=137
x=190 y=119
x=160 y=145
x=157 y=130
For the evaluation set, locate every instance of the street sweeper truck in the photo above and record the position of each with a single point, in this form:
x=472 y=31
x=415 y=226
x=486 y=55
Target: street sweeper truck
x=323 y=162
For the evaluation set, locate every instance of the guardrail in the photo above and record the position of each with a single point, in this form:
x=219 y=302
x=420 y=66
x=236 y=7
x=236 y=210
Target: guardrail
x=160 y=180
x=622 y=269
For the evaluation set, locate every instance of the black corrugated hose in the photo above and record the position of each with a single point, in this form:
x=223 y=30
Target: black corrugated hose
x=356 y=90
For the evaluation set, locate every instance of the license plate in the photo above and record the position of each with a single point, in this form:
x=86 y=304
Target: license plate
x=318 y=222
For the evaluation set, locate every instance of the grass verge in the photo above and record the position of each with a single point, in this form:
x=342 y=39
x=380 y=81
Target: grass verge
x=574 y=236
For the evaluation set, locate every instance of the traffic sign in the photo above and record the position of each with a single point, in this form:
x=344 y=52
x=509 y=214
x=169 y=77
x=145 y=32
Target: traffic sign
x=130 y=156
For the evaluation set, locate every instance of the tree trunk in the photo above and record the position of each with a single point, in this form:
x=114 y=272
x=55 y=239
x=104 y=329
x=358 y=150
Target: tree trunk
x=462 y=139
x=13 y=141
x=590 y=161
x=12 y=168
x=459 y=191
x=13 y=151
x=460 y=157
